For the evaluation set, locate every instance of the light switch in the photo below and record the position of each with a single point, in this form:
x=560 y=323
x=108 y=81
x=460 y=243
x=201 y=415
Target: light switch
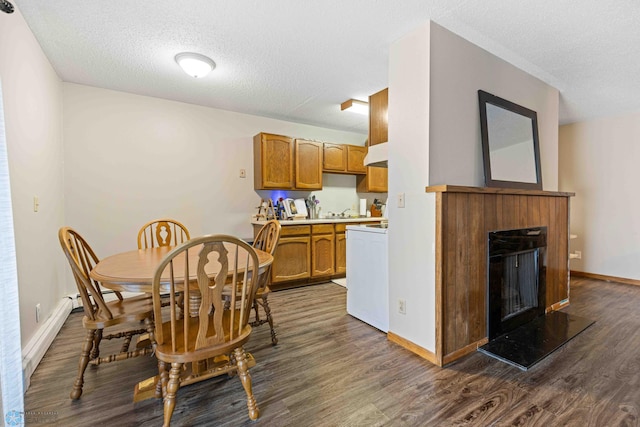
x=401 y=200
x=36 y=203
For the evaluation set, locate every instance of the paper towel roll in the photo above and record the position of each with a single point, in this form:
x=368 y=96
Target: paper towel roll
x=363 y=207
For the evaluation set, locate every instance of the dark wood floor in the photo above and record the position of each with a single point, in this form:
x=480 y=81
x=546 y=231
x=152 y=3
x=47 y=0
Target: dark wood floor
x=332 y=370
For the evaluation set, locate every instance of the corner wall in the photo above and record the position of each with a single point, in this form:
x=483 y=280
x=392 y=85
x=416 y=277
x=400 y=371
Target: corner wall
x=434 y=138
x=32 y=95
x=599 y=162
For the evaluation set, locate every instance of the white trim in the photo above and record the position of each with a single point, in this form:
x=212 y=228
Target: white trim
x=38 y=345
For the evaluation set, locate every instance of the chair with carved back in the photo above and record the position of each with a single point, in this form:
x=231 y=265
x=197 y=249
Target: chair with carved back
x=100 y=315
x=162 y=232
x=209 y=340
x=266 y=240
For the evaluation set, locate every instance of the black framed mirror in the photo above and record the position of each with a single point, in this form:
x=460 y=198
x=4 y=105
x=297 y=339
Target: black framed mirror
x=510 y=147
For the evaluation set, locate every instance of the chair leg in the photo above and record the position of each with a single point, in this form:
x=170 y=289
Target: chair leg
x=245 y=378
x=267 y=311
x=255 y=309
x=172 y=388
x=163 y=377
x=76 y=392
x=97 y=338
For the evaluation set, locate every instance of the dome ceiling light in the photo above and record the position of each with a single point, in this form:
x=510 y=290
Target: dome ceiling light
x=194 y=64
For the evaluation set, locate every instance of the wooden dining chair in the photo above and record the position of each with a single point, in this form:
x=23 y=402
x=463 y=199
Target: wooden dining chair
x=209 y=341
x=162 y=232
x=266 y=240
x=100 y=315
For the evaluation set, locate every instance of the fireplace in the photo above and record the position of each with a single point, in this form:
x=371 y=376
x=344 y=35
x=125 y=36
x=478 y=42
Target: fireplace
x=516 y=278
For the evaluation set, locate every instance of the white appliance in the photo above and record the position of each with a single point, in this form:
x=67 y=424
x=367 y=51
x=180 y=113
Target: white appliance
x=368 y=275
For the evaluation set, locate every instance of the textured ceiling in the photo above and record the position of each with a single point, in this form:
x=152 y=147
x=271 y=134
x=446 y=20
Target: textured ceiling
x=297 y=60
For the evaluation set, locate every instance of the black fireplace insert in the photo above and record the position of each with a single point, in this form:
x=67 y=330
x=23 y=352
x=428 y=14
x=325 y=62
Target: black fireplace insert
x=516 y=278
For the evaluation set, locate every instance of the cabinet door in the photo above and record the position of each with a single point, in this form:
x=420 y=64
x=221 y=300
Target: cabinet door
x=292 y=259
x=378 y=117
x=355 y=159
x=335 y=158
x=375 y=181
x=309 y=156
x=272 y=161
x=322 y=255
x=341 y=253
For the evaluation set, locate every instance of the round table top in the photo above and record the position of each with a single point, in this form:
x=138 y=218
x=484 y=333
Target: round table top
x=133 y=271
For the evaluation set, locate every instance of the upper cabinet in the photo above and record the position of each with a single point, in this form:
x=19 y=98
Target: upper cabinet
x=343 y=158
x=378 y=117
x=376 y=179
x=308 y=160
x=355 y=159
x=281 y=162
x=273 y=161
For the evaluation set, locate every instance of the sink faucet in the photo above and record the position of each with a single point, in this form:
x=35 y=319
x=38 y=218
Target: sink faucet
x=342 y=213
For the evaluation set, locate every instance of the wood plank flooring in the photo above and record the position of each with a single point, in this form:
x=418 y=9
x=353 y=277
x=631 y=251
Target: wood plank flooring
x=330 y=369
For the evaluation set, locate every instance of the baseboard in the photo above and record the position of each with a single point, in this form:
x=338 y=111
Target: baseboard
x=414 y=348
x=37 y=346
x=605 y=278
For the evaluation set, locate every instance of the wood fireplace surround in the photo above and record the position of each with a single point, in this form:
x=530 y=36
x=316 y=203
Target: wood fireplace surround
x=464 y=217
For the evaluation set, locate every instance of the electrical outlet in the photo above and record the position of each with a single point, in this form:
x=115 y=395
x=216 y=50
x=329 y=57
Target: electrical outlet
x=401 y=200
x=402 y=306
x=578 y=254
x=37 y=313
x=243 y=173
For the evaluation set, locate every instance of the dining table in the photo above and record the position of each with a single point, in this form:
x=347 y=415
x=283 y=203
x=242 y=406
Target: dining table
x=133 y=271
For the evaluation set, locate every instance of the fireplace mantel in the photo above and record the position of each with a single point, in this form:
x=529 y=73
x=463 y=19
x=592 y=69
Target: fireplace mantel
x=464 y=217
x=488 y=190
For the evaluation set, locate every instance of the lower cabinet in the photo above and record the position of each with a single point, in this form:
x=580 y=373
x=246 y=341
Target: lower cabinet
x=292 y=260
x=309 y=254
x=322 y=250
x=341 y=249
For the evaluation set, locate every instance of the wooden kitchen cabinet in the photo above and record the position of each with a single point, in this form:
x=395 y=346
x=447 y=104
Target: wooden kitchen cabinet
x=344 y=158
x=322 y=250
x=355 y=159
x=308 y=162
x=335 y=158
x=378 y=117
x=309 y=253
x=376 y=179
x=292 y=259
x=273 y=161
x=341 y=249
x=281 y=162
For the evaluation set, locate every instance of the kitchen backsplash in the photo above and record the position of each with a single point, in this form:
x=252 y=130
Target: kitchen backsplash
x=338 y=193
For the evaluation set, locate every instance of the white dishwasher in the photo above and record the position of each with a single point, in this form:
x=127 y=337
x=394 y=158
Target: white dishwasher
x=368 y=275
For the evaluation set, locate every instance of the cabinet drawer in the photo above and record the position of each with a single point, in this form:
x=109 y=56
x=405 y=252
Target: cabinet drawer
x=340 y=228
x=322 y=228
x=294 y=230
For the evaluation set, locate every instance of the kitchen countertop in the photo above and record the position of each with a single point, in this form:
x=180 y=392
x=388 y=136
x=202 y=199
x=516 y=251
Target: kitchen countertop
x=323 y=221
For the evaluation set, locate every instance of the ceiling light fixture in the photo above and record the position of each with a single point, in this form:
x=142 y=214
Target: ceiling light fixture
x=194 y=64
x=355 y=106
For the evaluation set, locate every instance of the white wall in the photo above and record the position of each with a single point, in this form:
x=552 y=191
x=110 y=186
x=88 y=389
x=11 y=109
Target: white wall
x=33 y=115
x=131 y=158
x=458 y=70
x=434 y=138
x=411 y=229
x=599 y=162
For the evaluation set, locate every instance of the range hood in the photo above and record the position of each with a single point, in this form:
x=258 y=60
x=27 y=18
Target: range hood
x=377 y=155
